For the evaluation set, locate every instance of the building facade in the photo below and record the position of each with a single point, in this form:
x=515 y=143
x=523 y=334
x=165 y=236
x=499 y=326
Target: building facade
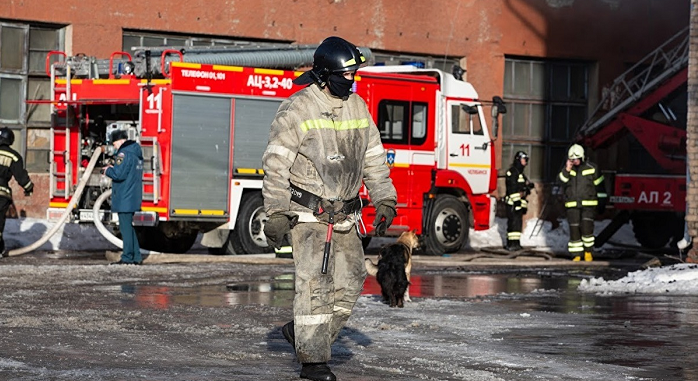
x=549 y=59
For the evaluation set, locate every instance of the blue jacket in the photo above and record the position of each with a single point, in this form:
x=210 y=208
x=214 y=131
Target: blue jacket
x=127 y=178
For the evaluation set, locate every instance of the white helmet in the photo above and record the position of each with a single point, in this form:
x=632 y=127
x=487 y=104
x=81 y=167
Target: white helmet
x=576 y=152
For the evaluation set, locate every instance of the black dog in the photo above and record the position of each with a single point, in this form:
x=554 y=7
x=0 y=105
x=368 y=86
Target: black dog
x=391 y=274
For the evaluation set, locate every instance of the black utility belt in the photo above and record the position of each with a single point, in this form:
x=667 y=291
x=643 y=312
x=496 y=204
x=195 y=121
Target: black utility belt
x=314 y=202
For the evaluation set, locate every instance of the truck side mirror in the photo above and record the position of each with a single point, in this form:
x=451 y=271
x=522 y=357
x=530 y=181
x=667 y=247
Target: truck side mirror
x=498 y=107
x=470 y=110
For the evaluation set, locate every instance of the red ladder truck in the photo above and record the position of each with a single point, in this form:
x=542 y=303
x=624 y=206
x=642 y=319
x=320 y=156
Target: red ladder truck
x=645 y=109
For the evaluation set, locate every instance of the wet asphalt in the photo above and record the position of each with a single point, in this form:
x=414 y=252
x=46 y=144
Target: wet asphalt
x=71 y=316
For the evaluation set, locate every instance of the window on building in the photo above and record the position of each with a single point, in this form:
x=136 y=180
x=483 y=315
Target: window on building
x=546 y=104
x=133 y=39
x=23 y=49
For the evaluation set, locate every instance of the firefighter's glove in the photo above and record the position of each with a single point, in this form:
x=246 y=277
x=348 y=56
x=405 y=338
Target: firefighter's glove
x=323 y=212
x=276 y=228
x=28 y=191
x=385 y=212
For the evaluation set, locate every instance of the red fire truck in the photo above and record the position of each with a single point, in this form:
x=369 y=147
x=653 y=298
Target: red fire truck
x=203 y=128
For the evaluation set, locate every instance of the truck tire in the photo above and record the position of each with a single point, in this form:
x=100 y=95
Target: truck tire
x=655 y=230
x=248 y=235
x=448 y=227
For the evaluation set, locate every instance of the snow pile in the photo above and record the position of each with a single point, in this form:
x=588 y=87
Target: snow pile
x=25 y=231
x=542 y=234
x=679 y=279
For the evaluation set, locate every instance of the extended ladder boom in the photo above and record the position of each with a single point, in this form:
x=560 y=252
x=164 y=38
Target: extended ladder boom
x=643 y=77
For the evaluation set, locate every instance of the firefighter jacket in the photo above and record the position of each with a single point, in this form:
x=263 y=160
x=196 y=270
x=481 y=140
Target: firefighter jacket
x=583 y=186
x=326 y=146
x=127 y=178
x=11 y=164
x=517 y=188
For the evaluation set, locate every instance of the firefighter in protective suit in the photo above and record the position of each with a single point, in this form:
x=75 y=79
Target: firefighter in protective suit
x=322 y=145
x=517 y=189
x=11 y=164
x=584 y=195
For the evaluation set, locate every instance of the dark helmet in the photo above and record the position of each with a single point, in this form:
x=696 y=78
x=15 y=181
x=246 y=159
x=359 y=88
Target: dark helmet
x=334 y=55
x=7 y=136
x=520 y=155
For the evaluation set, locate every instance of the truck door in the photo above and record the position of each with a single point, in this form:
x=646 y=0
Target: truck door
x=469 y=148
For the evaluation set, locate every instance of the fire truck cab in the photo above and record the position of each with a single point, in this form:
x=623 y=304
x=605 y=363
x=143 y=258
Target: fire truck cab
x=204 y=127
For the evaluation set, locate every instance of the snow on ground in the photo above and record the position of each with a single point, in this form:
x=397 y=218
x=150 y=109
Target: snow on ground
x=679 y=279
x=676 y=279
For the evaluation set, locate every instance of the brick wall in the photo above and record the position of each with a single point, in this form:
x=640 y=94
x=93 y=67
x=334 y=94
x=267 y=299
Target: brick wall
x=692 y=125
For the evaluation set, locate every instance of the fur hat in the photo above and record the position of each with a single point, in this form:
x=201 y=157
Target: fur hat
x=118 y=135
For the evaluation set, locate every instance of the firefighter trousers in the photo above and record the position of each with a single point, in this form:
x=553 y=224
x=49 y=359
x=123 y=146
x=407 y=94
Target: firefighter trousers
x=323 y=302
x=131 y=250
x=514 y=223
x=5 y=204
x=581 y=221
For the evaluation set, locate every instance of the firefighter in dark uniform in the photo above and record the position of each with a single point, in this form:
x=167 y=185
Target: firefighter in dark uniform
x=11 y=164
x=585 y=195
x=517 y=188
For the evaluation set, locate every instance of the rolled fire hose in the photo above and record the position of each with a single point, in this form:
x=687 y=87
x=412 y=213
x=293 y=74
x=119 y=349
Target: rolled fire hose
x=105 y=232
x=68 y=209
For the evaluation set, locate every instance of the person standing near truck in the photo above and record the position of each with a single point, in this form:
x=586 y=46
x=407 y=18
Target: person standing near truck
x=323 y=144
x=11 y=165
x=127 y=192
x=585 y=195
x=517 y=188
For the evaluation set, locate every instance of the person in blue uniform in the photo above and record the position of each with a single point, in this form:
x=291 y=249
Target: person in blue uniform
x=127 y=192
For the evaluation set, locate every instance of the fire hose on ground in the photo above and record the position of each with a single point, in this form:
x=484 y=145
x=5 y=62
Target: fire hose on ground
x=162 y=257
x=68 y=209
x=104 y=231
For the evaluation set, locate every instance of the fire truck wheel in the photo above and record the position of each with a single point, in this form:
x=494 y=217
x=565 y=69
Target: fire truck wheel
x=448 y=227
x=248 y=235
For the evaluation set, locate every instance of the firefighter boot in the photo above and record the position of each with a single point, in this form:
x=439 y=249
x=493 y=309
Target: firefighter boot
x=588 y=257
x=317 y=371
x=517 y=245
x=510 y=246
x=577 y=258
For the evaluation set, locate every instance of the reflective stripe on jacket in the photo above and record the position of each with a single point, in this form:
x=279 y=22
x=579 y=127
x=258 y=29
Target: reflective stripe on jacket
x=11 y=164
x=582 y=186
x=326 y=146
x=516 y=185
